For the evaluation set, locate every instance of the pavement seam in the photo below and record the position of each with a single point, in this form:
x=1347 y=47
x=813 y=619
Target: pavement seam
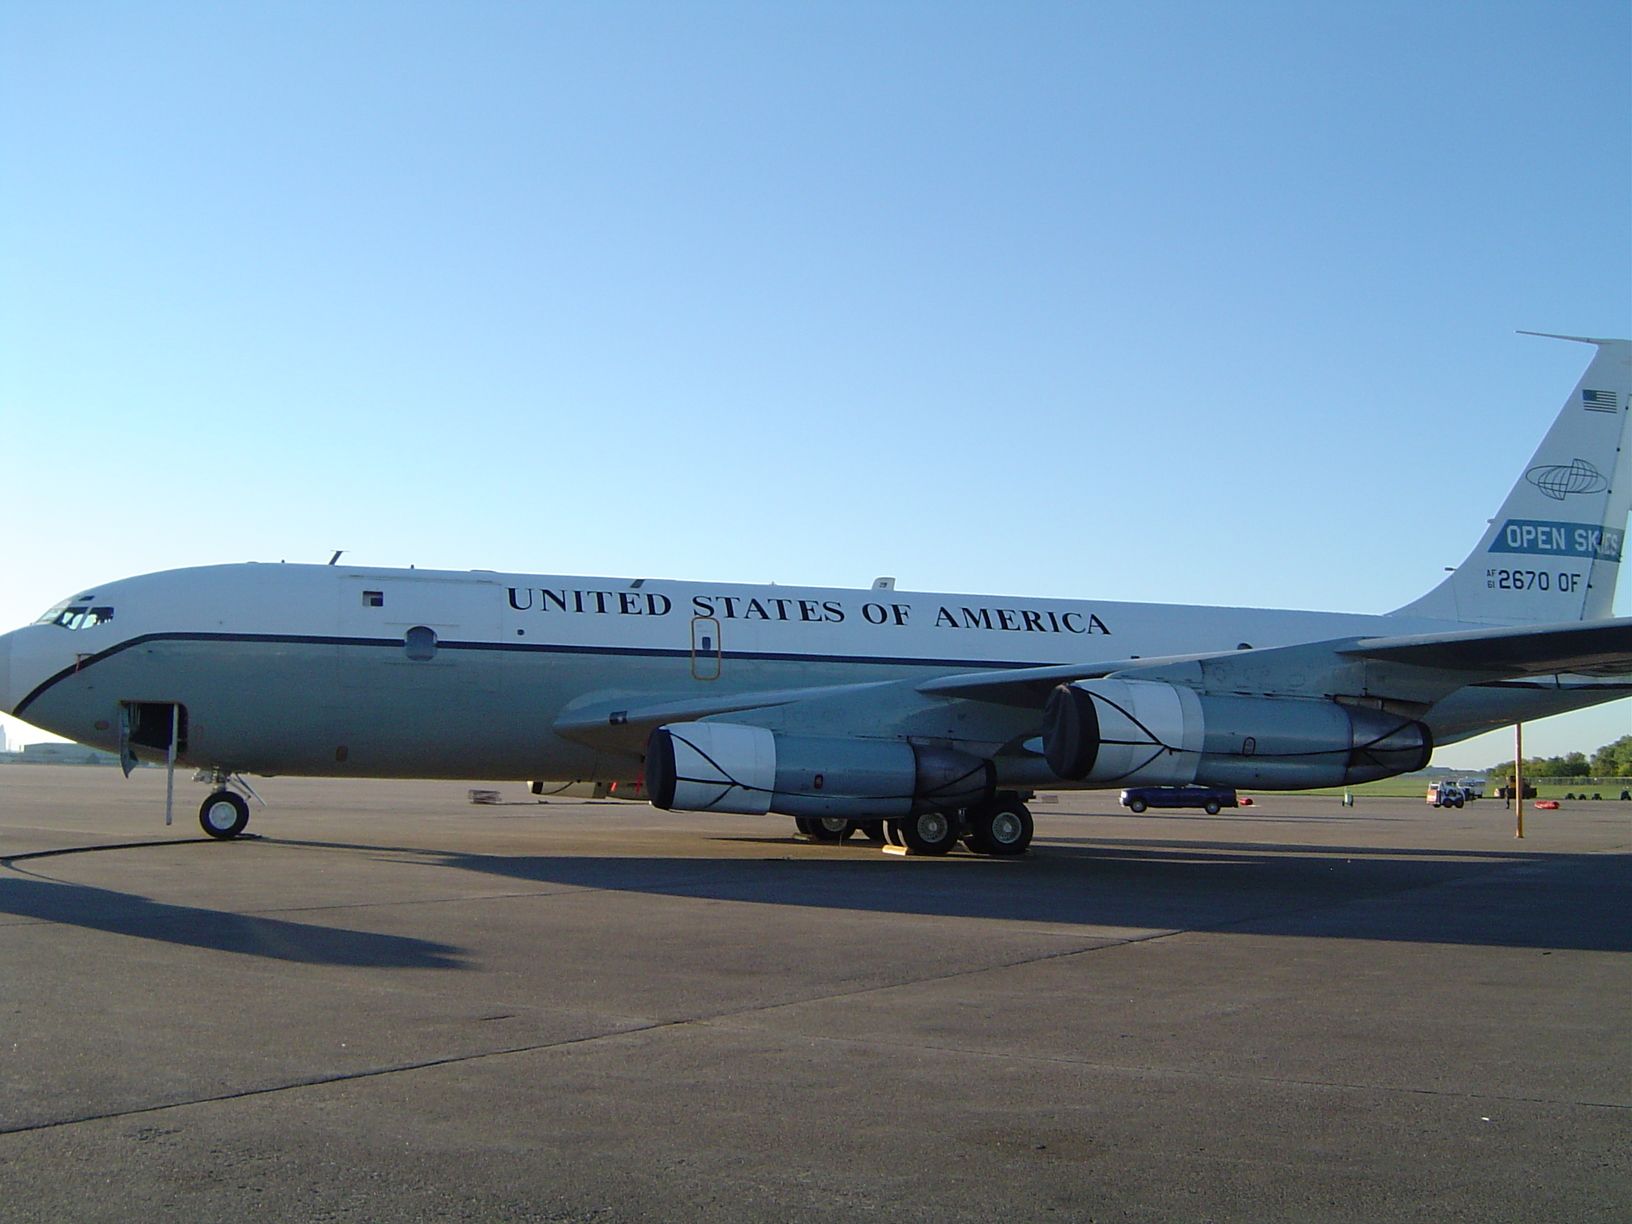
x=1173 y=1072
x=315 y=1081
x=657 y=1026
x=540 y=1047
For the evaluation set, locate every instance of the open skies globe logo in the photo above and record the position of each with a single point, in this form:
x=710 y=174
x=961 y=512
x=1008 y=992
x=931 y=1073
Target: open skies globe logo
x=1561 y=480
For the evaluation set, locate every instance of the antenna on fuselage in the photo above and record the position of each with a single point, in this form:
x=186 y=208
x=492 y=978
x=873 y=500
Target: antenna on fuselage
x=336 y=556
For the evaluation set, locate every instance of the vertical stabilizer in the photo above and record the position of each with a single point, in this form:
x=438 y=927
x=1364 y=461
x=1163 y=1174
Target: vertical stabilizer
x=1553 y=552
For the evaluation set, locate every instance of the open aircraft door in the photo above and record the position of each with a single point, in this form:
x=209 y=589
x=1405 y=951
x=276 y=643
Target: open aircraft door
x=158 y=726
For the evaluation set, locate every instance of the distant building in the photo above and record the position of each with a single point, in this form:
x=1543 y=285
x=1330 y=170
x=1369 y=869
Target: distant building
x=64 y=754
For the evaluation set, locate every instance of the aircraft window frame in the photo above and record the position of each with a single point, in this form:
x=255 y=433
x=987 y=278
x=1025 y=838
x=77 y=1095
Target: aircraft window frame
x=76 y=614
x=49 y=616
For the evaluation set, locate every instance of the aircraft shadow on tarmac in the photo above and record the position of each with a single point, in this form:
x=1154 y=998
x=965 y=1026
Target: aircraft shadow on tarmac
x=1486 y=898
x=120 y=913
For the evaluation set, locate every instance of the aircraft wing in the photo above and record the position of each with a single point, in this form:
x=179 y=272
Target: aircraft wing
x=1578 y=648
x=1408 y=667
x=1030 y=686
x=1582 y=647
x=624 y=723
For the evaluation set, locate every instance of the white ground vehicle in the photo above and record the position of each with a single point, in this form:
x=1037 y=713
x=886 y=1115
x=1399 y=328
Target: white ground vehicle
x=1447 y=794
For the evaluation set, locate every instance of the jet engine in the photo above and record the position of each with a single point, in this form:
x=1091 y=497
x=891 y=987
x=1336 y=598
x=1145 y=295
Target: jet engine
x=728 y=767
x=1151 y=734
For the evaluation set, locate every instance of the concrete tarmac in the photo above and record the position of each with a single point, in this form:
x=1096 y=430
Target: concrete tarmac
x=391 y=1004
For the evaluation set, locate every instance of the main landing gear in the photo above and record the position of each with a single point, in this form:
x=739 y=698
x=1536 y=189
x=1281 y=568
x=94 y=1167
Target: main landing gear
x=925 y=833
x=999 y=828
x=838 y=829
x=825 y=828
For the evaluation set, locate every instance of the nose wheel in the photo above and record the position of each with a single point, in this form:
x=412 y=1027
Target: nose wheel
x=224 y=815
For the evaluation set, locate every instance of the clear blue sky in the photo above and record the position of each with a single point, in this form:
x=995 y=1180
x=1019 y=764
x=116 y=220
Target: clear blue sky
x=1165 y=301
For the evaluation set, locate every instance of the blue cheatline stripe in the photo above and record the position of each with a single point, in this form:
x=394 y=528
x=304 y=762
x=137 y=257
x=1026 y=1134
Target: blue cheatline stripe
x=650 y=652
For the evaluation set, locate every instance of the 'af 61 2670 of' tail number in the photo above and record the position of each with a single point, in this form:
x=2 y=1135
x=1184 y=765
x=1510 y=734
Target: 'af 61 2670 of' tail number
x=1533 y=580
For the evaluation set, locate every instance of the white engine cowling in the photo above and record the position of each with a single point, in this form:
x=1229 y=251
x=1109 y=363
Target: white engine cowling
x=728 y=767
x=1145 y=733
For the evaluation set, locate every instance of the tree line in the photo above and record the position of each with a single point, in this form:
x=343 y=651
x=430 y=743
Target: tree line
x=1611 y=761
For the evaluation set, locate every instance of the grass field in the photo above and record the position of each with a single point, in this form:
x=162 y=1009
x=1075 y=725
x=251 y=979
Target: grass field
x=1416 y=786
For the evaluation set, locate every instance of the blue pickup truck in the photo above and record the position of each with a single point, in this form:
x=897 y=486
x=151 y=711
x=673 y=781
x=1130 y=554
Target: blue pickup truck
x=1210 y=799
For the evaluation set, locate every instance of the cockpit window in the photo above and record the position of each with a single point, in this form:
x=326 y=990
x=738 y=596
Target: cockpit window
x=77 y=614
x=49 y=616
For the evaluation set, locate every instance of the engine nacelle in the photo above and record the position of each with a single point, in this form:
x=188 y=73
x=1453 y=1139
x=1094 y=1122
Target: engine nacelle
x=1145 y=733
x=727 y=767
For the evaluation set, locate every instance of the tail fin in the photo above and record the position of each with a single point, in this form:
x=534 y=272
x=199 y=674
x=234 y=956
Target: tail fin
x=1553 y=553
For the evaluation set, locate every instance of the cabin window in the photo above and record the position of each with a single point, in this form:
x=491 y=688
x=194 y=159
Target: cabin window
x=705 y=648
x=373 y=599
x=419 y=643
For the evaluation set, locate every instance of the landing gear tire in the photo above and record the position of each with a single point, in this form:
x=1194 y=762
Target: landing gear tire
x=224 y=815
x=872 y=830
x=1001 y=828
x=825 y=828
x=926 y=833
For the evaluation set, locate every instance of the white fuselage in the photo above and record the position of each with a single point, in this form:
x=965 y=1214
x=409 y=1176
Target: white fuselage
x=411 y=673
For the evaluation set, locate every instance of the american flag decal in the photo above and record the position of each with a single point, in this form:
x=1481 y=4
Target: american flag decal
x=1600 y=401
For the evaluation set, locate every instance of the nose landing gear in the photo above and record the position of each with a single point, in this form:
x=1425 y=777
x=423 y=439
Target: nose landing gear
x=224 y=815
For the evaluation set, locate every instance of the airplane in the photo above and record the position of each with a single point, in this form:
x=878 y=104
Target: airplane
x=927 y=719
